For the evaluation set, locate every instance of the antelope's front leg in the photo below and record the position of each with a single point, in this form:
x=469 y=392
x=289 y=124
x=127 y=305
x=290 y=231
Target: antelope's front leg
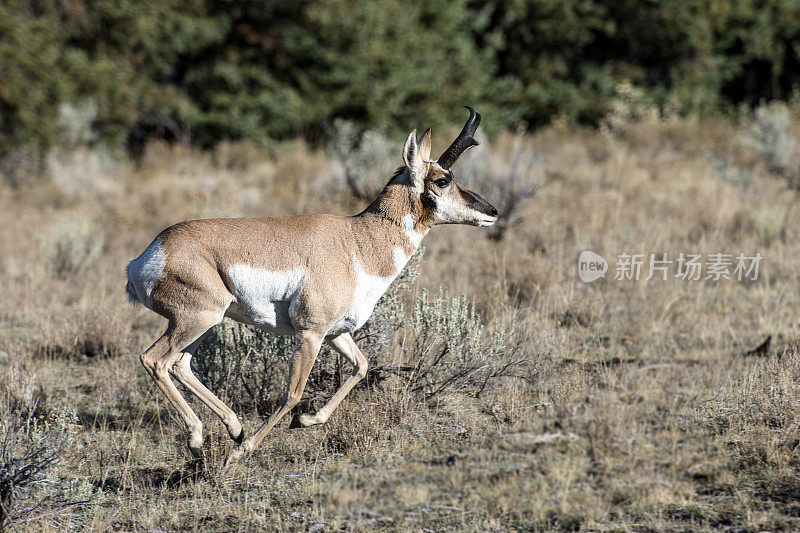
x=345 y=345
x=305 y=353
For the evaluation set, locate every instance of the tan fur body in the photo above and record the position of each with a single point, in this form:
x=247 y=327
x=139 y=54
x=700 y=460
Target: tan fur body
x=317 y=277
x=327 y=248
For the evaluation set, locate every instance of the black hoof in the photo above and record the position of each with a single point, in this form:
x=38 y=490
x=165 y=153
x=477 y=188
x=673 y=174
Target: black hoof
x=295 y=423
x=238 y=440
x=197 y=454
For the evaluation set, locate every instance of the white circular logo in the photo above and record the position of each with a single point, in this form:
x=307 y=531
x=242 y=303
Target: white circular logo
x=591 y=266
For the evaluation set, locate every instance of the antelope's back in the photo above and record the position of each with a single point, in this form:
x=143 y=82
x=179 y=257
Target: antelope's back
x=249 y=268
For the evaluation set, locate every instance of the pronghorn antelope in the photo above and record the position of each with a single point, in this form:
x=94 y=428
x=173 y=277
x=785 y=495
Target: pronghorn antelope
x=316 y=277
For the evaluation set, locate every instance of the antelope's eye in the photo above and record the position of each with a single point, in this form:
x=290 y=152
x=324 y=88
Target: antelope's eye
x=442 y=182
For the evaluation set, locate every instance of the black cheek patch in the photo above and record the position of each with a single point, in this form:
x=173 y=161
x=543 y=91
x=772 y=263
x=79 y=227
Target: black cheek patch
x=428 y=205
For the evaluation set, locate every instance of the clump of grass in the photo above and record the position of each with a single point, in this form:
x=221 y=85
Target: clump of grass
x=770 y=222
x=90 y=333
x=769 y=393
x=70 y=247
x=32 y=445
x=360 y=424
x=724 y=169
x=756 y=417
x=770 y=137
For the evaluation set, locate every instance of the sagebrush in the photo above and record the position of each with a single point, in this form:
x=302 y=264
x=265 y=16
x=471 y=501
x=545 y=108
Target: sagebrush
x=33 y=443
x=438 y=345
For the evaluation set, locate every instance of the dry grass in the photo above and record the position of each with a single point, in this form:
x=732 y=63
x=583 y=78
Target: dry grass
x=636 y=409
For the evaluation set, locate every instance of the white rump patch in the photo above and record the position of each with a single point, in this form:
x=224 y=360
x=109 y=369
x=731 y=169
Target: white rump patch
x=145 y=271
x=263 y=296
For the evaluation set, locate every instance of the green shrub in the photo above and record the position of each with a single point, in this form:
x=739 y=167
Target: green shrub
x=451 y=349
x=769 y=136
x=246 y=365
x=32 y=445
x=70 y=247
x=367 y=160
x=439 y=346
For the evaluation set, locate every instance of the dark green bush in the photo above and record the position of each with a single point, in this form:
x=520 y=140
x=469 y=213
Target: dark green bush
x=206 y=70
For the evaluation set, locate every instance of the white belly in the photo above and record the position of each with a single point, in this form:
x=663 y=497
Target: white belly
x=263 y=296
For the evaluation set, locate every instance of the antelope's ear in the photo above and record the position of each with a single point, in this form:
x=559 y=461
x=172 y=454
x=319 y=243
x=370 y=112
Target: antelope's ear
x=411 y=150
x=425 y=145
x=413 y=159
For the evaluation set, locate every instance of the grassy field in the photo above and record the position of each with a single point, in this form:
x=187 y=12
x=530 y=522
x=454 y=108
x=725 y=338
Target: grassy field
x=635 y=409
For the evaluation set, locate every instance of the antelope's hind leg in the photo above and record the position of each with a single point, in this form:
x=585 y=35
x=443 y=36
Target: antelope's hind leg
x=345 y=345
x=159 y=359
x=182 y=371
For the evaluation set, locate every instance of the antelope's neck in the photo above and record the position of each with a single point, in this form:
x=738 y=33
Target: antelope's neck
x=399 y=206
x=389 y=231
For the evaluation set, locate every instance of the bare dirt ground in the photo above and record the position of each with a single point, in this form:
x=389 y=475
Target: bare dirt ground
x=636 y=408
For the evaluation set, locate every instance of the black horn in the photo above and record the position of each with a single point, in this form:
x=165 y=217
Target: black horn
x=463 y=142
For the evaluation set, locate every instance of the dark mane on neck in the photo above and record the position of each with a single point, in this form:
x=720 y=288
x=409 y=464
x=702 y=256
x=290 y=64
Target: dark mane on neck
x=395 y=201
x=397 y=173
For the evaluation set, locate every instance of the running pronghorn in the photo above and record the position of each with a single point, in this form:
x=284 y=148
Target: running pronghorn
x=316 y=277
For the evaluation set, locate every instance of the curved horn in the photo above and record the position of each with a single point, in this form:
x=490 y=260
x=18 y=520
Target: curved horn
x=463 y=142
